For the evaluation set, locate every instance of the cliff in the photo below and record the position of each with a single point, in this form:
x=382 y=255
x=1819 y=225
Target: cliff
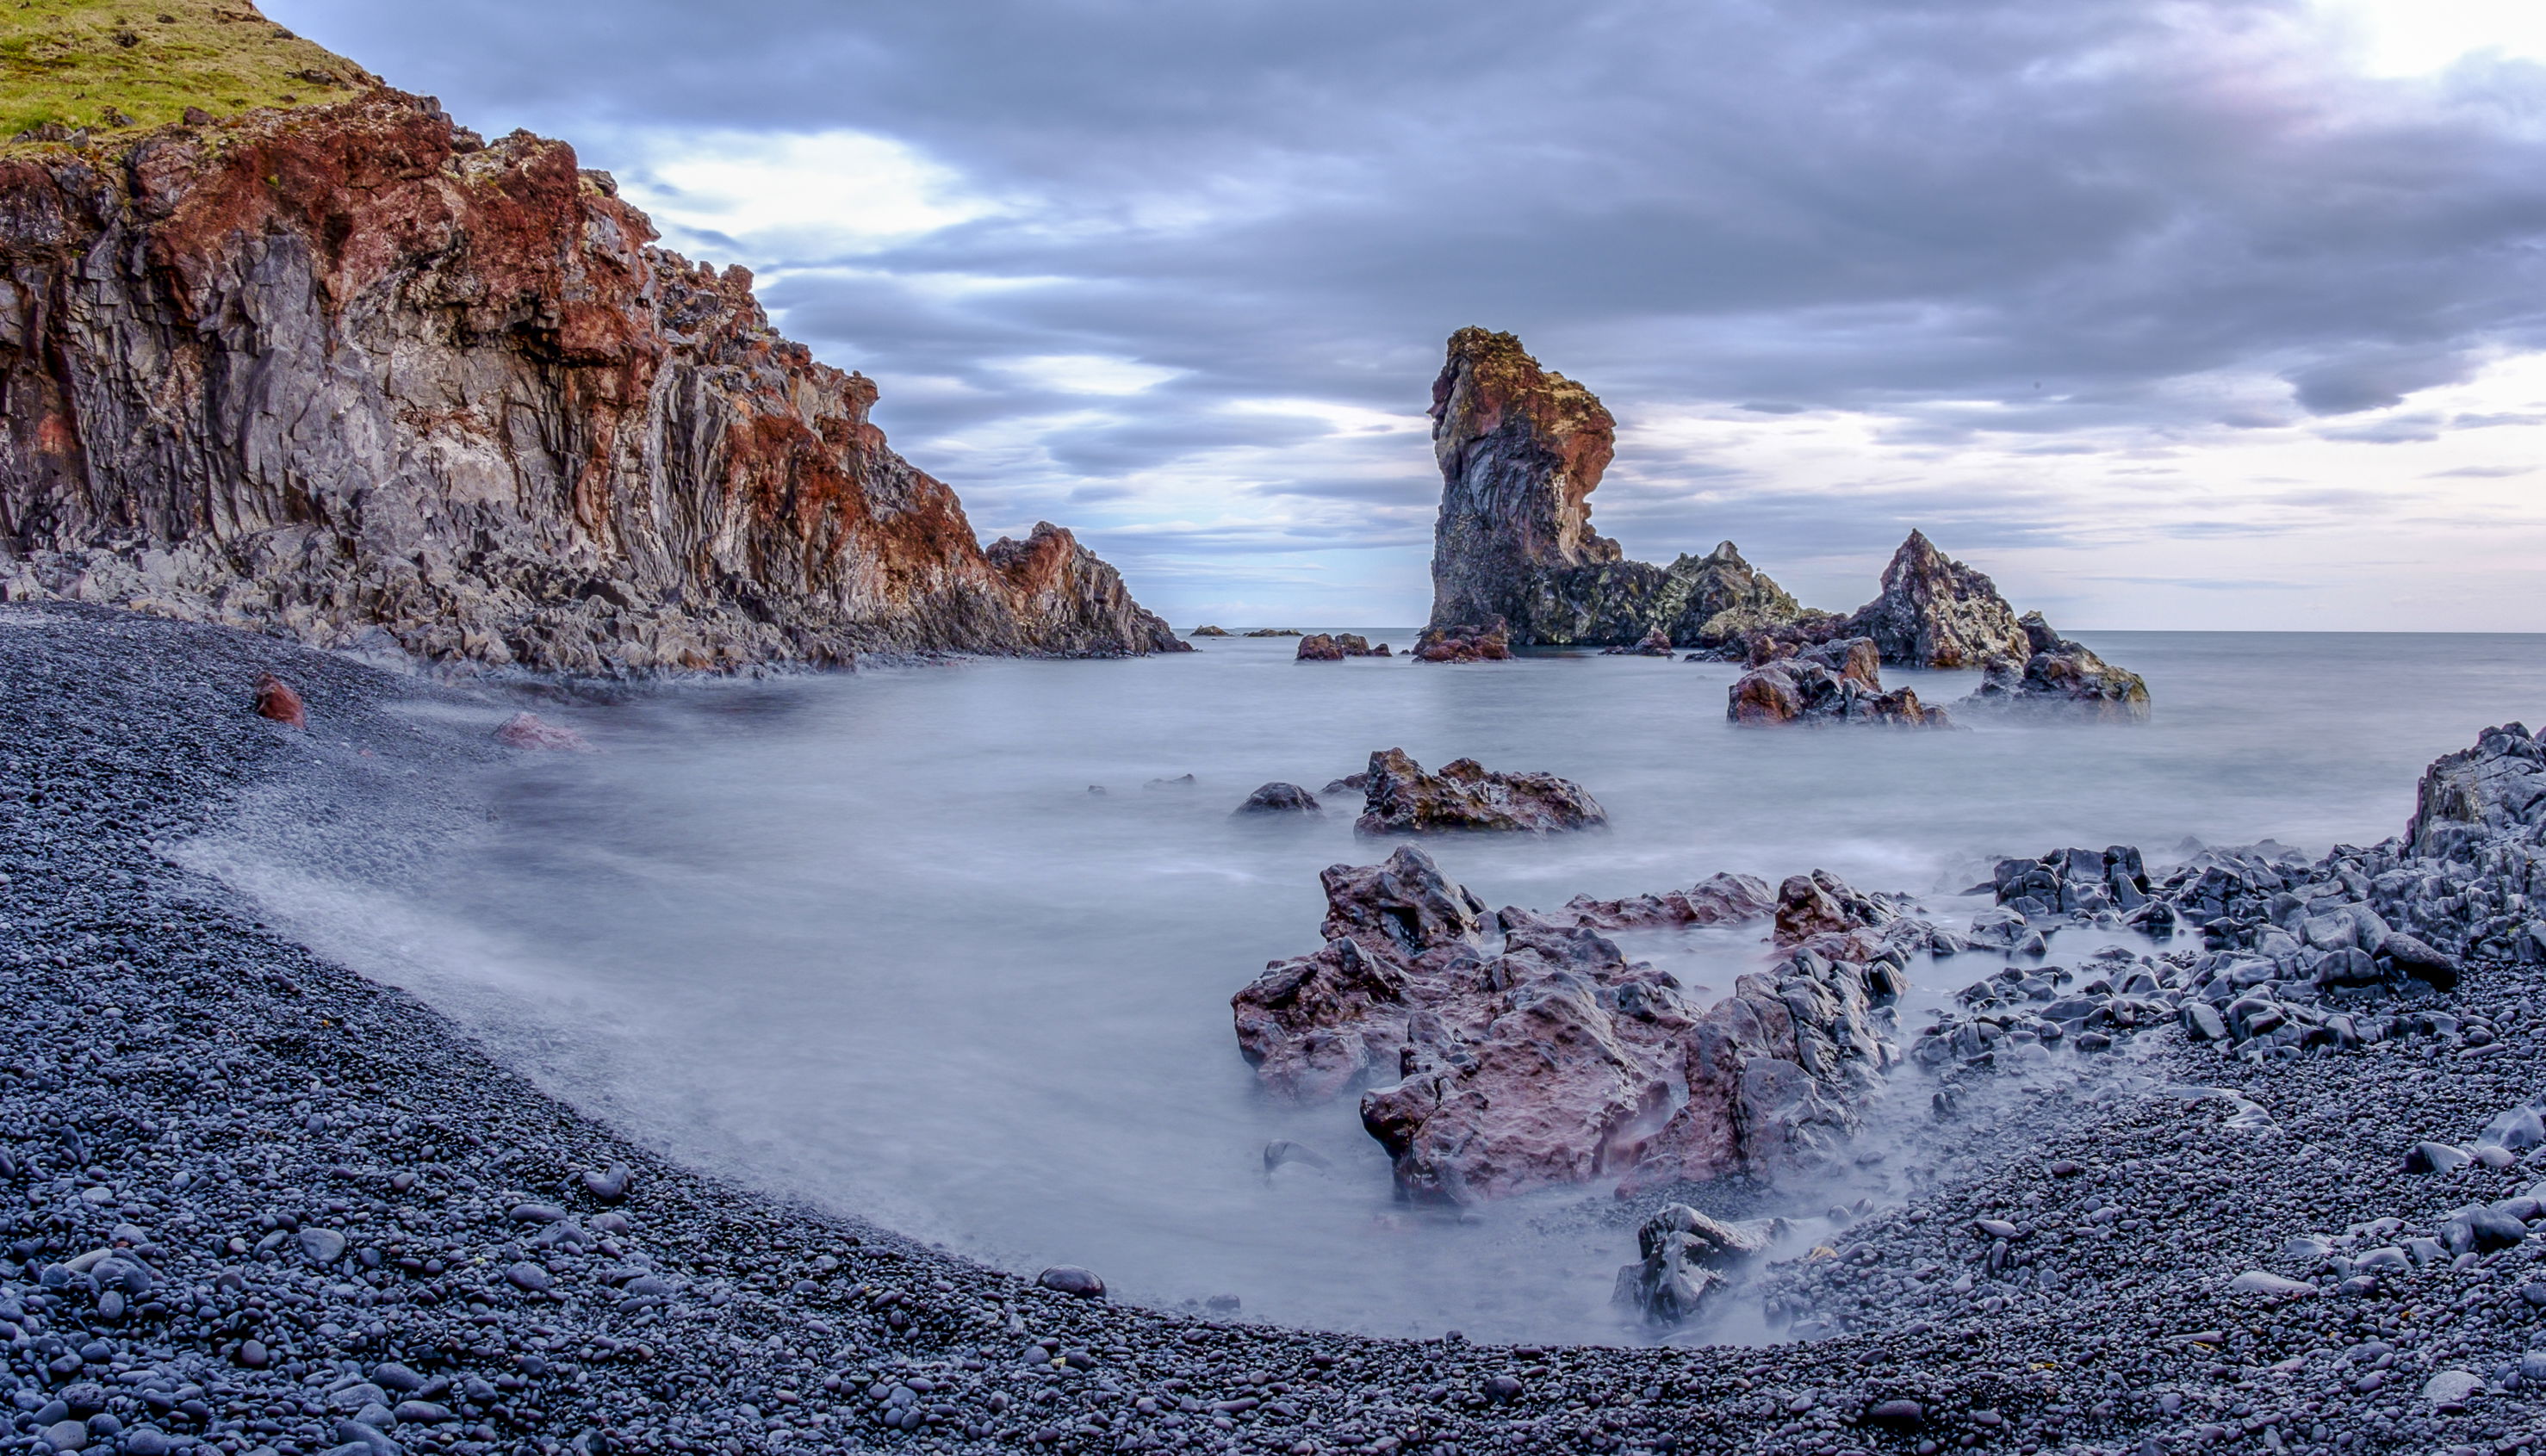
x=349 y=372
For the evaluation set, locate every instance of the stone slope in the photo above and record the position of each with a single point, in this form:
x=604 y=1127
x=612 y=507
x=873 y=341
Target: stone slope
x=352 y=374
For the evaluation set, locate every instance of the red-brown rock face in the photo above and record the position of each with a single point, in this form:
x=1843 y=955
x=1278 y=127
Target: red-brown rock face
x=345 y=371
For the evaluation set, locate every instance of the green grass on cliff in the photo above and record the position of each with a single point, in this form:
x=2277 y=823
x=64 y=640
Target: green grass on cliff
x=114 y=67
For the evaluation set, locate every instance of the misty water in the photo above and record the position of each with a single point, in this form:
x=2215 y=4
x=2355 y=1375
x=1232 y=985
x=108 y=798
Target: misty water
x=874 y=942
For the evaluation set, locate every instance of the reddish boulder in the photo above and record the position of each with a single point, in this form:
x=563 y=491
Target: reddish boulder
x=1465 y=796
x=1319 y=647
x=275 y=700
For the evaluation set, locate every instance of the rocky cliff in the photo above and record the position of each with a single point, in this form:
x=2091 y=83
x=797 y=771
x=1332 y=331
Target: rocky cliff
x=349 y=372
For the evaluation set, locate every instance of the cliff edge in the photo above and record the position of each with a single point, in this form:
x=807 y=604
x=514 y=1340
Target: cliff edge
x=349 y=372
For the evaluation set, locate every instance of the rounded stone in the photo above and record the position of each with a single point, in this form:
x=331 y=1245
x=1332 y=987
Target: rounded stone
x=1073 y=1280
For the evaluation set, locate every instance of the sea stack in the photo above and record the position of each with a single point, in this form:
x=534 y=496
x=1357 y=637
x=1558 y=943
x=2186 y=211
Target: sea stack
x=1521 y=447
x=352 y=374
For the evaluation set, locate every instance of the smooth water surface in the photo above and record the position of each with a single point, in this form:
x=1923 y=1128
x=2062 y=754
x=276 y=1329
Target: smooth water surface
x=878 y=941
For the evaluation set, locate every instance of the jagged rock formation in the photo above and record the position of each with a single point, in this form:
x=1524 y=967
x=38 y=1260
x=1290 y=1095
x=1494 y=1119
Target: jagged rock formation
x=2063 y=676
x=1521 y=447
x=1552 y=1059
x=1467 y=797
x=1837 y=682
x=1936 y=612
x=351 y=373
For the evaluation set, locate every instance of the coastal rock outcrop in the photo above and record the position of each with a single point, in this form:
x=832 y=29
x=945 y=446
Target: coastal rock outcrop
x=2061 y=675
x=1937 y=612
x=1837 y=682
x=348 y=373
x=1466 y=796
x=1551 y=1058
x=1522 y=448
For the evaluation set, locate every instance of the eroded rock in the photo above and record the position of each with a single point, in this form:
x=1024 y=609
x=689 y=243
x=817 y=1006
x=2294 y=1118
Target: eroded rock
x=1683 y=1258
x=2061 y=675
x=1489 y=643
x=276 y=700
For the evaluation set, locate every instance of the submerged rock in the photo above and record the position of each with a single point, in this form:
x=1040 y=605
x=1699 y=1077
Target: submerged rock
x=1836 y=681
x=1937 y=612
x=1465 y=796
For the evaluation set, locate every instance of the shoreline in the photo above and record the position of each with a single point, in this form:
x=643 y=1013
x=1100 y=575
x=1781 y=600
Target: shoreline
x=176 y=1036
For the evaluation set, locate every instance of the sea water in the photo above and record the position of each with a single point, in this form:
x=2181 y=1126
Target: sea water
x=951 y=946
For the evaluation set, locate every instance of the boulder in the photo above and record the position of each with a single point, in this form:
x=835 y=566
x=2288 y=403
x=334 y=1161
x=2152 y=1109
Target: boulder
x=1489 y=643
x=1319 y=647
x=1208 y=632
x=1682 y=1257
x=1402 y=798
x=2061 y=676
x=1279 y=798
x=1822 y=903
x=276 y=700
x=1937 y=612
x=1835 y=681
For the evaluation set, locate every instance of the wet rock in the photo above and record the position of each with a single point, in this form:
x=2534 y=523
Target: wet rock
x=607 y=1185
x=1822 y=903
x=1319 y=647
x=276 y=700
x=1655 y=643
x=1936 y=612
x=1280 y=799
x=1072 y=1280
x=530 y=731
x=1208 y=632
x=1463 y=797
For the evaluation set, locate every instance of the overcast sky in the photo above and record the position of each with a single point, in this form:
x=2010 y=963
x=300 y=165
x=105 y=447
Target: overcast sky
x=2168 y=313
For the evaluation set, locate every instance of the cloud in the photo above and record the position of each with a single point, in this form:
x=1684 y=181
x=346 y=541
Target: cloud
x=1117 y=252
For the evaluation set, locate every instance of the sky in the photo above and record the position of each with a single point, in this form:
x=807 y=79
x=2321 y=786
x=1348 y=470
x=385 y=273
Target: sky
x=2168 y=313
